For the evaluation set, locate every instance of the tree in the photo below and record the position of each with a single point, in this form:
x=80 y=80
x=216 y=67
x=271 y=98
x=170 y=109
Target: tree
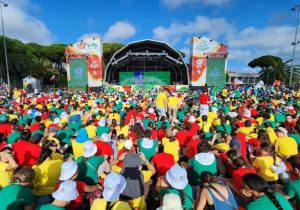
x=42 y=68
x=272 y=68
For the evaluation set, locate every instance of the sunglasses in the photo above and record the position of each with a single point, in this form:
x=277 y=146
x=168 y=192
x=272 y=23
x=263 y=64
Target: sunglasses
x=53 y=145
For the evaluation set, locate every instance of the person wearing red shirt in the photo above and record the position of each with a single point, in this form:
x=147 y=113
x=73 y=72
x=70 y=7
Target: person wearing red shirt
x=241 y=167
x=128 y=148
x=184 y=136
x=239 y=121
x=192 y=148
x=289 y=123
x=195 y=127
x=32 y=150
x=35 y=126
x=152 y=114
x=104 y=147
x=5 y=127
x=19 y=147
x=162 y=161
x=204 y=100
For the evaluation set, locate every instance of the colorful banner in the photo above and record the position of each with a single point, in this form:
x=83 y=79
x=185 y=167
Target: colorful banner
x=150 y=78
x=203 y=49
x=78 y=75
x=91 y=48
x=216 y=72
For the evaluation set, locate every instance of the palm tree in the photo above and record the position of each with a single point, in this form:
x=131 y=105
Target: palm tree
x=272 y=68
x=42 y=68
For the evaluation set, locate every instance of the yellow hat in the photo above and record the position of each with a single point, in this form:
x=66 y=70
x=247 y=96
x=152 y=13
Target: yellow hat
x=39 y=106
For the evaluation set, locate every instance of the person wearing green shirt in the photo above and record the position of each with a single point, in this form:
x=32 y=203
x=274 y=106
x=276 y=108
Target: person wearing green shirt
x=102 y=128
x=146 y=122
x=88 y=164
x=147 y=145
x=18 y=195
x=263 y=197
x=14 y=136
x=62 y=196
x=292 y=187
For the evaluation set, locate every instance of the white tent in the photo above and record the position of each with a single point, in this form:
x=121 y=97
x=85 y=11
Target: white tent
x=33 y=82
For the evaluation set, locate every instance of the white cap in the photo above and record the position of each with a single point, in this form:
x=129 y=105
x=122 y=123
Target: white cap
x=150 y=110
x=63 y=114
x=128 y=144
x=66 y=192
x=56 y=120
x=102 y=122
x=247 y=113
x=114 y=185
x=177 y=177
x=171 y=201
x=147 y=143
x=89 y=149
x=68 y=169
x=106 y=137
x=232 y=114
x=37 y=114
x=192 y=119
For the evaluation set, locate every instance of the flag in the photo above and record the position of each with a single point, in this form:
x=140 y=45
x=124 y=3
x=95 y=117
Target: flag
x=236 y=82
x=277 y=83
x=53 y=78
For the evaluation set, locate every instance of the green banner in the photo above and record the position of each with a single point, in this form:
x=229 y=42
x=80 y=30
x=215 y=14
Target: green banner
x=145 y=78
x=215 y=75
x=78 y=73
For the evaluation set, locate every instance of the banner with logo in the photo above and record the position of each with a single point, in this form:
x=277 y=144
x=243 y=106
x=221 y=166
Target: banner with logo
x=216 y=72
x=78 y=75
x=144 y=78
x=92 y=48
x=203 y=48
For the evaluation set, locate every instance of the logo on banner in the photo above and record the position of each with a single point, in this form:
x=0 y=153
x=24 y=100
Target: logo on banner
x=202 y=45
x=215 y=73
x=92 y=45
x=81 y=45
x=78 y=73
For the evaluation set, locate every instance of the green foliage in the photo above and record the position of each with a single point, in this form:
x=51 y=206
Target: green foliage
x=273 y=68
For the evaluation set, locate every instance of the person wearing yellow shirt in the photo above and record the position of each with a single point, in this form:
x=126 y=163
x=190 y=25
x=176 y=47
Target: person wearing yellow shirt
x=224 y=93
x=271 y=133
x=162 y=102
x=7 y=166
x=173 y=104
x=123 y=129
x=91 y=129
x=114 y=184
x=212 y=115
x=46 y=174
x=284 y=145
x=115 y=116
x=248 y=128
x=204 y=124
x=265 y=161
x=171 y=145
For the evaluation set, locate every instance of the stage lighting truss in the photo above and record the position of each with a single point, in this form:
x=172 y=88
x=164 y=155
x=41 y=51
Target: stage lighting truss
x=146 y=56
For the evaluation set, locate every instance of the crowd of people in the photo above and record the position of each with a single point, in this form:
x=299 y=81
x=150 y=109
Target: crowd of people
x=228 y=149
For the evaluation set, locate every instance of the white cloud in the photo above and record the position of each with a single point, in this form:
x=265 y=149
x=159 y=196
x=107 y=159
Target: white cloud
x=252 y=42
x=244 y=44
x=84 y=36
x=178 y=3
x=20 y=24
x=213 y=28
x=119 y=32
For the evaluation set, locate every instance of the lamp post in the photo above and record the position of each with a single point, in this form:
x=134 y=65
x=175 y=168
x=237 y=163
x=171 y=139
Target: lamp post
x=295 y=42
x=2 y=3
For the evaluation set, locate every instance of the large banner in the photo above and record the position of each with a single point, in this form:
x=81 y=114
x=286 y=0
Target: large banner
x=203 y=48
x=78 y=75
x=93 y=49
x=144 y=78
x=215 y=72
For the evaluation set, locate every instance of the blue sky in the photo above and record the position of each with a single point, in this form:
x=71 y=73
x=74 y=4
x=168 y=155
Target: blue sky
x=250 y=28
